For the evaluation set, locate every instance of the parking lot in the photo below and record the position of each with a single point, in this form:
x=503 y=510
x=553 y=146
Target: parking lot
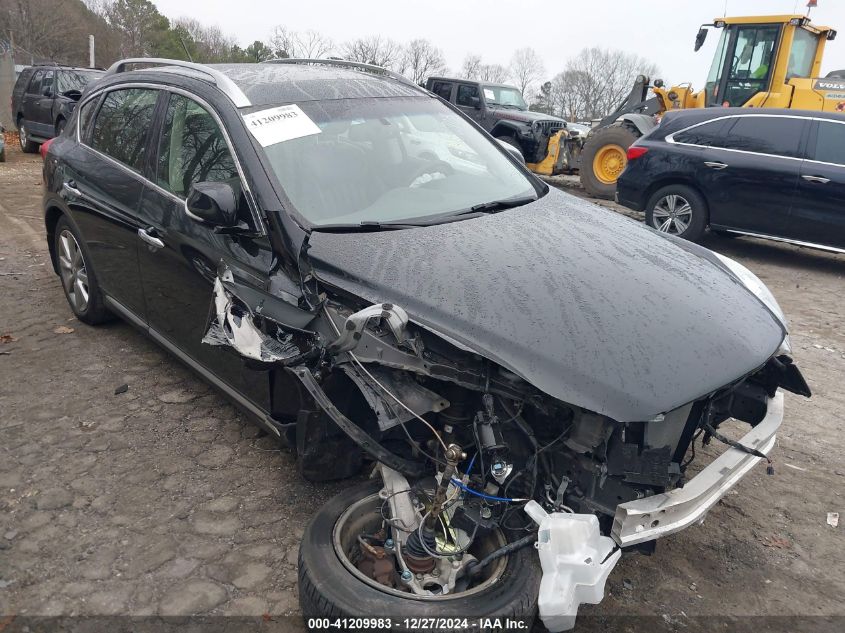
x=163 y=499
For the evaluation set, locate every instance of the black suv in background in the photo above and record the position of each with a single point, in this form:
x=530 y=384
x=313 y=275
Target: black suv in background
x=501 y=110
x=776 y=174
x=43 y=99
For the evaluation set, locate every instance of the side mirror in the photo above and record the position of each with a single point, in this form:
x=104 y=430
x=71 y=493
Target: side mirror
x=700 y=37
x=215 y=203
x=476 y=102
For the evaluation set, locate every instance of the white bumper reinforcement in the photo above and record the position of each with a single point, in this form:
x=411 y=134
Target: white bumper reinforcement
x=659 y=515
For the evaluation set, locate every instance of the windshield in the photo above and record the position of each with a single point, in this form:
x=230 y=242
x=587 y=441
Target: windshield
x=390 y=160
x=76 y=79
x=502 y=95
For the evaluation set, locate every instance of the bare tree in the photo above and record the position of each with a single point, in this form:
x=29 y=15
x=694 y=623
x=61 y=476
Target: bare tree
x=374 y=50
x=49 y=29
x=309 y=44
x=421 y=60
x=471 y=68
x=212 y=45
x=596 y=80
x=494 y=73
x=526 y=68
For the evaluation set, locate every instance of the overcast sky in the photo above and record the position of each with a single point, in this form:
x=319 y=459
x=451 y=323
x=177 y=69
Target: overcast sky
x=660 y=30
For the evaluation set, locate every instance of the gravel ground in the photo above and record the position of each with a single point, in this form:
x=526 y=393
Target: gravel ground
x=165 y=500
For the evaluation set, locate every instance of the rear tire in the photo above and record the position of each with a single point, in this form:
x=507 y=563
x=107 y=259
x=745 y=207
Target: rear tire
x=677 y=210
x=604 y=157
x=79 y=281
x=28 y=146
x=327 y=589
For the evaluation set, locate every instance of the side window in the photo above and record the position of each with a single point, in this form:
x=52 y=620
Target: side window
x=780 y=136
x=466 y=94
x=34 y=87
x=47 y=83
x=442 y=89
x=120 y=129
x=830 y=143
x=706 y=134
x=192 y=148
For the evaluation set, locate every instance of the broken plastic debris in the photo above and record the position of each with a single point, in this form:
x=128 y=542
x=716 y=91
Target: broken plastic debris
x=233 y=325
x=833 y=519
x=121 y=389
x=63 y=329
x=576 y=561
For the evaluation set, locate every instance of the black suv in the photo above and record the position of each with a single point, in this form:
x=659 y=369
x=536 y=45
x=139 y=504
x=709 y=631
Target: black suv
x=502 y=111
x=776 y=174
x=43 y=100
x=373 y=278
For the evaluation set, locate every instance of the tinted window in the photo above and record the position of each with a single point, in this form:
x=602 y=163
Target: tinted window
x=47 y=82
x=707 y=134
x=780 y=136
x=442 y=89
x=830 y=144
x=120 y=129
x=465 y=95
x=192 y=148
x=35 y=85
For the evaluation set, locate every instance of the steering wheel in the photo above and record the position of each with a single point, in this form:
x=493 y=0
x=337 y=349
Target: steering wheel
x=432 y=167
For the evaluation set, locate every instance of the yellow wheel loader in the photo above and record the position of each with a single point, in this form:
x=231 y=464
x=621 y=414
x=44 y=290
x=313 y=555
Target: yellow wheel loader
x=769 y=61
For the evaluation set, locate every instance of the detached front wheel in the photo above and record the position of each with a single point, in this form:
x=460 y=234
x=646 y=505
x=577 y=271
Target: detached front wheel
x=333 y=585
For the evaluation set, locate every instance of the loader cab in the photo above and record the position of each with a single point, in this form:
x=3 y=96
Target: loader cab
x=756 y=55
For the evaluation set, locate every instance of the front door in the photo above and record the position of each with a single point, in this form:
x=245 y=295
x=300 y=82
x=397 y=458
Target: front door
x=178 y=275
x=818 y=215
x=468 y=99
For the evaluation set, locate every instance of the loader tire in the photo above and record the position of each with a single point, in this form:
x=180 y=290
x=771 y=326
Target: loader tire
x=604 y=157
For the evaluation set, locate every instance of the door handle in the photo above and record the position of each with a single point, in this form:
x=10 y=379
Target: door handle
x=150 y=239
x=70 y=187
x=818 y=179
x=715 y=164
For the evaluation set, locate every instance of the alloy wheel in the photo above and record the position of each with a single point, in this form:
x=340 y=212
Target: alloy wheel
x=73 y=272
x=672 y=214
x=22 y=136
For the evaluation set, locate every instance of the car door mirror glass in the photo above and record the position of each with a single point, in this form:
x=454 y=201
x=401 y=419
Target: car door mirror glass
x=215 y=203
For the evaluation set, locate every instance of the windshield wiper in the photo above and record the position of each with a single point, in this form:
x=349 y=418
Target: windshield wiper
x=365 y=226
x=498 y=205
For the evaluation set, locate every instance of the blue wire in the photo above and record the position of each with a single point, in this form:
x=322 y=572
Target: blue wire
x=471 y=462
x=460 y=485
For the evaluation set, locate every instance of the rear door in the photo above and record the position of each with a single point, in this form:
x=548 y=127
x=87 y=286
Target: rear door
x=42 y=111
x=751 y=172
x=103 y=181
x=443 y=89
x=29 y=105
x=818 y=214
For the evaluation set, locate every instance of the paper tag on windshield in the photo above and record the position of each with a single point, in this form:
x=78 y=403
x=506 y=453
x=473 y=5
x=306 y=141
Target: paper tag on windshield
x=277 y=125
x=489 y=94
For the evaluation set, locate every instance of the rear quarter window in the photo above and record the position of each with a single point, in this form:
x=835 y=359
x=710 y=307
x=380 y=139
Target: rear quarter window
x=705 y=134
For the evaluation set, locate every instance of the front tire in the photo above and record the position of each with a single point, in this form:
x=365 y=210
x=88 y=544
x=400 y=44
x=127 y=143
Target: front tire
x=678 y=210
x=603 y=158
x=328 y=589
x=79 y=281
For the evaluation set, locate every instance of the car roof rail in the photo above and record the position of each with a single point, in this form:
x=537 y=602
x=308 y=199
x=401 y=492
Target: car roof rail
x=222 y=81
x=345 y=63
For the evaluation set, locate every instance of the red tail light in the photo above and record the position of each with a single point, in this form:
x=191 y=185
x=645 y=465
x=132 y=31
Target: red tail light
x=45 y=146
x=635 y=152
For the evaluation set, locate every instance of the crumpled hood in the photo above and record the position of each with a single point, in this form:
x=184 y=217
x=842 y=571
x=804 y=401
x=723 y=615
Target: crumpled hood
x=589 y=306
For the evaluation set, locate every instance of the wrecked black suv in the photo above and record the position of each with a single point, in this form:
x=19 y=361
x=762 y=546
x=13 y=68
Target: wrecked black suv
x=525 y=372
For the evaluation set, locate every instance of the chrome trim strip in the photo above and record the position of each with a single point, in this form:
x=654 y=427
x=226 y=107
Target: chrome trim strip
x=659 y=515
x=222 y=81
x=822 y=247
x=207 y=375
x=251 y=201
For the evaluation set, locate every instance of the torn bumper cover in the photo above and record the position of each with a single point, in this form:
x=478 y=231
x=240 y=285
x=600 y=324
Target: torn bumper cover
x=667 y=513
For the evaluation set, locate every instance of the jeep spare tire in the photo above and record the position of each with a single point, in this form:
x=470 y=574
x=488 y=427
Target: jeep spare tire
x=332 y=586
